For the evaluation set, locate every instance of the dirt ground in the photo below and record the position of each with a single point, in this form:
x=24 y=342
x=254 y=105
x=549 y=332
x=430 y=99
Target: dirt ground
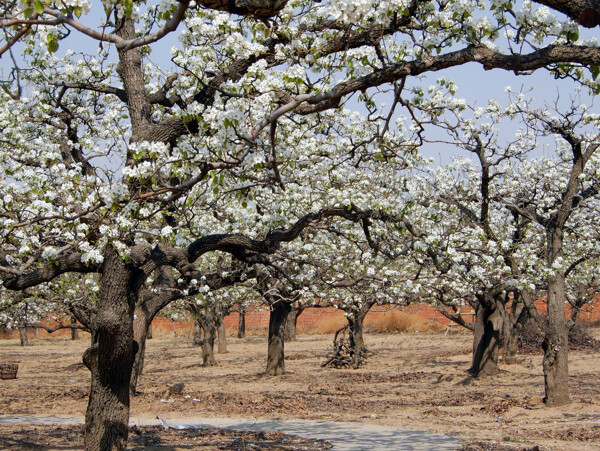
x=411 y=381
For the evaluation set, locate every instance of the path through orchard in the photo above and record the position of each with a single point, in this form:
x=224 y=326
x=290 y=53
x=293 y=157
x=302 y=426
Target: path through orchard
x=341 y=436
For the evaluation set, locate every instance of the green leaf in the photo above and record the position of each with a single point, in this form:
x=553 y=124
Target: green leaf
x=52 y=46
x=28 y=13
x=78 y=10
x=216 y=190
x=595 y=70
x=39 y=6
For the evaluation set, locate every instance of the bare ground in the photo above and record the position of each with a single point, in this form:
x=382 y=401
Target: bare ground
x=411 y=381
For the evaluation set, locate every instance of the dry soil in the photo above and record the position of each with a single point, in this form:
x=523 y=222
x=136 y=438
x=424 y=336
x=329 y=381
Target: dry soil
x=410 y=381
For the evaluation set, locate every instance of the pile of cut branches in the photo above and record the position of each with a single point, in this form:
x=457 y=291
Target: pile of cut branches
x=343 y=354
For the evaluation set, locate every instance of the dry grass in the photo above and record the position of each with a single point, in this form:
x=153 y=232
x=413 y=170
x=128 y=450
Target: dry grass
x=397 y=321
x=392 y=321
x=327 y=325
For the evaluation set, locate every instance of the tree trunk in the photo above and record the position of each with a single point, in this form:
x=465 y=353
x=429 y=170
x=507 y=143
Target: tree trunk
x=275 y=353
x=512 y=325
x=556 y=346
x=486 y=339
x=357 y=341
x=23 y=336
x=149 y=333
x=204 y=325
x=141 y=323
x=208 y=344
x=242 y=323
x=221 y=338
x=209 y=331
x=197 y=339
x=290 y=323
x=74 y=332
x=111 y=356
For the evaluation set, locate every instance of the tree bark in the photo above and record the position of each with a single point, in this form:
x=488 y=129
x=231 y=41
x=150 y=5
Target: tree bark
x=141 y=325
x=197 y=339
x=209 y=331
x=556 y=346
x=275 y=353
x=586 y=12
x=221 y=338
x=513 y=322
x=357 y=341
x=74 y=332
x=205 y=320
x=290 y=323
x=23 y=336
x=486 y=339
x=208 y=344
x=242 y=323
x=111 y=356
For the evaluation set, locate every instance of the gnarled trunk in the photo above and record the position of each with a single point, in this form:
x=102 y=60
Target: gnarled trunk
x=111 y=356
x=357 y=341
x=486 y=339
x=290 y=323
x=275 y=353
x=209 y=331
x=513 y=322
x=205 y=319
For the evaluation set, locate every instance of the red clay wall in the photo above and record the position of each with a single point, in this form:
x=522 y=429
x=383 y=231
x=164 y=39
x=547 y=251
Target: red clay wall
x=258 y=318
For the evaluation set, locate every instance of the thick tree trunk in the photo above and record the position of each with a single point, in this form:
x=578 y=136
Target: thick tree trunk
x=357 y=341
x=275 y=353
x=221 y=338
x=486 y=339
x=556 y=346
x=290 y=323
x=23 y=336
x=197 y=338
x=208 y=345
x=111 y=356
x=242 y=323
x=204 y=325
